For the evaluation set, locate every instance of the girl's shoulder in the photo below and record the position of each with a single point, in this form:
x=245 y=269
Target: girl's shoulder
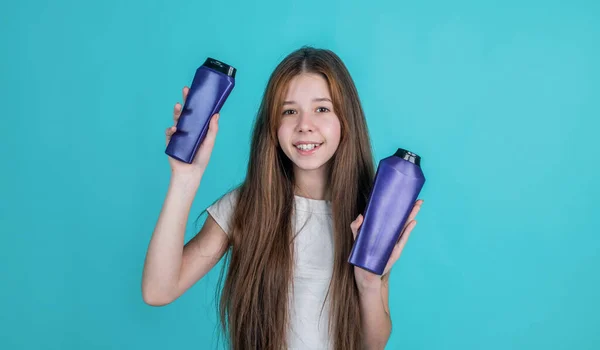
x=222 y=209
x=230 y=197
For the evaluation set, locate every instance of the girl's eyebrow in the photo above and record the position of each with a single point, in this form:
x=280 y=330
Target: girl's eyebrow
x=321 y=99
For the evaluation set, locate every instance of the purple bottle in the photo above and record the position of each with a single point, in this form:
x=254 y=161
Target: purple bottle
x=211 y=86
x=398 y=182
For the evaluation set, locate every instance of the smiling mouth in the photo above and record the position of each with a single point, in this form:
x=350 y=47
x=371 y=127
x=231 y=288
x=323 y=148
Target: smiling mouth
x=307 y=146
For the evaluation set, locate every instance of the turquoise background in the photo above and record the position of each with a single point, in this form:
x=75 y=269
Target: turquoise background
x=500 y=98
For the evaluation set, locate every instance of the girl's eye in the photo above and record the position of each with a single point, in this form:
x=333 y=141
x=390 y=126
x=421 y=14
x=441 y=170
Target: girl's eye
x=322 y=109
x=289 y=111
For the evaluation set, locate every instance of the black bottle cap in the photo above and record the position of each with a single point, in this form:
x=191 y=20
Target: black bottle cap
x=407 y=155
x=220 y=67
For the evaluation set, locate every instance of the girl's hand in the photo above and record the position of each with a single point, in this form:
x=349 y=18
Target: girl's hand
x=366 y=279
x=202 y=156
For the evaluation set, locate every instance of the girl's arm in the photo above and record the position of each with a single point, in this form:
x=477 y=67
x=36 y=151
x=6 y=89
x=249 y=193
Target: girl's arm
x=170 y=267
x=374 y=290
x=375 y=314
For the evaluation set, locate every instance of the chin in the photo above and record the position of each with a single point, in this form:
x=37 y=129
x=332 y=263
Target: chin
x=308 y=165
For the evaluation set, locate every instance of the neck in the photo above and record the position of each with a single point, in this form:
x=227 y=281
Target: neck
x=312 y=183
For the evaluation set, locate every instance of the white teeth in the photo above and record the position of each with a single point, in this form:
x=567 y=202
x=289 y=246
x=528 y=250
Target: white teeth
x=307 y=147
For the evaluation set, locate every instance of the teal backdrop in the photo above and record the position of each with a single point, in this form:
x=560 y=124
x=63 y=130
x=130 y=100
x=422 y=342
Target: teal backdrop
x=500 y=98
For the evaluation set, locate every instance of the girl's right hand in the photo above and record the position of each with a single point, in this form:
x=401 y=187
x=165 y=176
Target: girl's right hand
x=198 y=165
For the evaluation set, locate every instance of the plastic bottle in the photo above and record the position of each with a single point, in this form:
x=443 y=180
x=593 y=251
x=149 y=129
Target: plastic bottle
x=398 y=182
x=212 y=84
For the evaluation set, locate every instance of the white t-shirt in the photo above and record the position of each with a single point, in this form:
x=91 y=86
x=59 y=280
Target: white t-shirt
x=313 y=267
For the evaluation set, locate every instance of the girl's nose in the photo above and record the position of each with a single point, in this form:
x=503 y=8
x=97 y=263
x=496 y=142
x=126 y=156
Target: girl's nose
x=305 y=123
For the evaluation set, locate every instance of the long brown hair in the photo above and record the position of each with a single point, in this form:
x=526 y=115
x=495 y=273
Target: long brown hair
x=254 y=298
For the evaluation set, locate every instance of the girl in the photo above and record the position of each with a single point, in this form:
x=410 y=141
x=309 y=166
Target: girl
x=288 y=229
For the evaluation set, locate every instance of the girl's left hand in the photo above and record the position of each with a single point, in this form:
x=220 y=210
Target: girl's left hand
x=366 y=279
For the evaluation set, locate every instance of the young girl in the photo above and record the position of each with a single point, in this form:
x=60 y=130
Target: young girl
x=288 y=229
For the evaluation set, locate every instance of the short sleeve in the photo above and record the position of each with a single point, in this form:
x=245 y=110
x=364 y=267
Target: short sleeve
x=222 y=210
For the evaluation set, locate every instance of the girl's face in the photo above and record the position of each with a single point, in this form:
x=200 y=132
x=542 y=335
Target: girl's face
x=309 y=132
